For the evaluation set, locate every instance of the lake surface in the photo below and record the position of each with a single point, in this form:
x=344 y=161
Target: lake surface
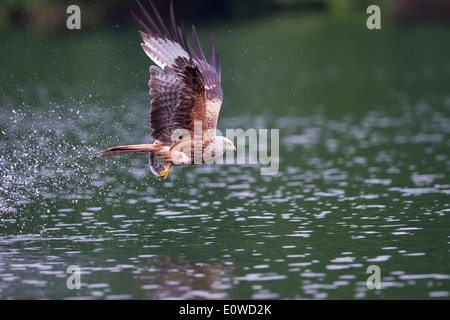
x=363 y=179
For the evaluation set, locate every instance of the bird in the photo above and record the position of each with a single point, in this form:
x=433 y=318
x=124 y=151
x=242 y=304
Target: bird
x=185 y=110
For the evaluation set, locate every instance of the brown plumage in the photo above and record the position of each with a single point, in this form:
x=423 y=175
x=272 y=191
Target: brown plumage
x=183 y=115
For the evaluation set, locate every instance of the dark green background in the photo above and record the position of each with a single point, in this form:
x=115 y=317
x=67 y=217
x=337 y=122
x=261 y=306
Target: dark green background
x=363 y=118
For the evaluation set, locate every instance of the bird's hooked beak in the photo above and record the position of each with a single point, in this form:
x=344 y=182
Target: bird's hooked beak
x=232 y=148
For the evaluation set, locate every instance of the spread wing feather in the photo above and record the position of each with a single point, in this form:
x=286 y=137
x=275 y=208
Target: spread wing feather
x=188 y=86
x=191 y=106
x=166 y=83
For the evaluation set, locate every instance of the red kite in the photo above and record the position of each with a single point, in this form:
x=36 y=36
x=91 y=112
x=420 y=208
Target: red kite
x=183 y=115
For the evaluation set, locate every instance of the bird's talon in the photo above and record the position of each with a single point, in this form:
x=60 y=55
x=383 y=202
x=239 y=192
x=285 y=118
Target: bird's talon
x=163 y=174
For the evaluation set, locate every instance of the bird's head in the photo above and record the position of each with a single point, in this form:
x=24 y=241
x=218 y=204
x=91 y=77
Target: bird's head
x=226 y=143
x=229 y=145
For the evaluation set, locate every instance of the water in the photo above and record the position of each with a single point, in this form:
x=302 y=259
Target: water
x=363 y=177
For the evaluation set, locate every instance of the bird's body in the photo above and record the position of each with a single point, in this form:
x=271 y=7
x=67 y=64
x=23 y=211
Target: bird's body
x=183 y=115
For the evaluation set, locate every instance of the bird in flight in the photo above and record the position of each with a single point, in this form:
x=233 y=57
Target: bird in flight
x=183 y=115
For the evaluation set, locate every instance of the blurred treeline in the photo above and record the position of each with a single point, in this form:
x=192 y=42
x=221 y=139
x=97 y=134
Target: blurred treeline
x=50 y=15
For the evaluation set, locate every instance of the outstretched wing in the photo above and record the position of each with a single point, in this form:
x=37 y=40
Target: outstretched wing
x=188 y=86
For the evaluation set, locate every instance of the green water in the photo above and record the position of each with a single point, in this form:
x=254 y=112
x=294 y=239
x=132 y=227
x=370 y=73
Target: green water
x=364 y=126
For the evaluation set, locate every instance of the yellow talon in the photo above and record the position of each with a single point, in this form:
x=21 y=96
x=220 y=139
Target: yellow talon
x=163 y=174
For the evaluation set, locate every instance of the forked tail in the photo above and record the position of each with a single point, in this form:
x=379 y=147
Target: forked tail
x=132 y=149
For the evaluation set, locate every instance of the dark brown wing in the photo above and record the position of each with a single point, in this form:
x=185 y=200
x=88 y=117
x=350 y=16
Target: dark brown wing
x=211 y=73
x=188 y=87
x=191 y=109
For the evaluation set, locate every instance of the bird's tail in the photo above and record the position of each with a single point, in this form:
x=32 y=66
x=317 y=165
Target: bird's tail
x=131 y=149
